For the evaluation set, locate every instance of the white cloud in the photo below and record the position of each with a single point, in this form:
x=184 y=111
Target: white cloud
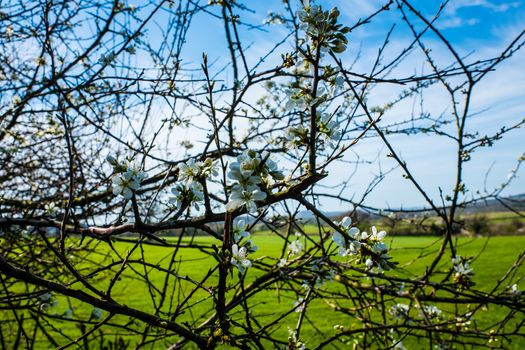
x=359 y=9
x=456 y=22
x=500 y=6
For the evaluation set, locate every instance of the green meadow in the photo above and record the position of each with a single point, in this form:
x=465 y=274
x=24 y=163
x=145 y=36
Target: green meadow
x=492 y=258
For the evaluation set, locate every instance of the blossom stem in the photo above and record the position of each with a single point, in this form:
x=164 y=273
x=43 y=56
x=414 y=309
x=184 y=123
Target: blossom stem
x=223 y=273
x=313 y=111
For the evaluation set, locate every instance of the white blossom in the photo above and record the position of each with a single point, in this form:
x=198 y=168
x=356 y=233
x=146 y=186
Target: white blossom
x=9 y=32
x=295 y=247
x=297 y=136
x=247 y=172
x=124 y=184
x=51 y=209
x=378 y=235
x=273 y=170
x=127 y=181
x=243 y=177
x=338 y=328
x=399 y=311
x=330 y=130
x=293 y=342
x=299 y=305
x=240 y=197
x=369 y=263
x=431 y=311
x=178 y=192
x=353 y=246
x=296 y=99
x=461 y=267
x=190 y=170
x=352 y=242
x=282 y=262
x=240 y=258
x=197 y=196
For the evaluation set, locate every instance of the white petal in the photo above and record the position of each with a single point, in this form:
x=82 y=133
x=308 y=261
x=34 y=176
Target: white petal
x=346 y=222
x=342 y=252
x=251 y=207
x=240 y=224
x=353 y=232
x=116 y=180
x=258 y=195
x=126 y=192
x=233 y=204
x=242 y=252
x=117 y=190
x=338 y=239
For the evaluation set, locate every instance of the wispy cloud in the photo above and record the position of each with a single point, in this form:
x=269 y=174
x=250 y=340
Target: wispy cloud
x=499 y=6
x=456 y=22
x=358 y=9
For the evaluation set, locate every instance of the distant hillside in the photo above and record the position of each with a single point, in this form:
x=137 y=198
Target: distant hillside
x=516 y=202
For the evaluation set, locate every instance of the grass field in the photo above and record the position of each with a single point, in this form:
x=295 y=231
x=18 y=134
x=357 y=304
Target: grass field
x=493 y=256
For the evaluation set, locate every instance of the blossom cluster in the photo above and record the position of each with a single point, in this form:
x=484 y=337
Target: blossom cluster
x=299 y=97
x=322 y=273
x=430 y=312
x=399 y=311
x=427 y=312
x=189 y=189
x=297 y=136
x=462 y=273
x=323 y=35
x=327 y=127
x=250 y=172
x=293 y=342
x=127 y=178
x=242 y=247
x=295 y=247
x=365 y=247
x=322 y=28
x=515 y=292
x=47 y=301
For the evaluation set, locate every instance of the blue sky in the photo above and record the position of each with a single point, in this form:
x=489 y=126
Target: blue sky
x=478 y=29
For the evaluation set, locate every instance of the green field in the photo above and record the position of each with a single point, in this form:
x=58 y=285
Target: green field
x=493 y=257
